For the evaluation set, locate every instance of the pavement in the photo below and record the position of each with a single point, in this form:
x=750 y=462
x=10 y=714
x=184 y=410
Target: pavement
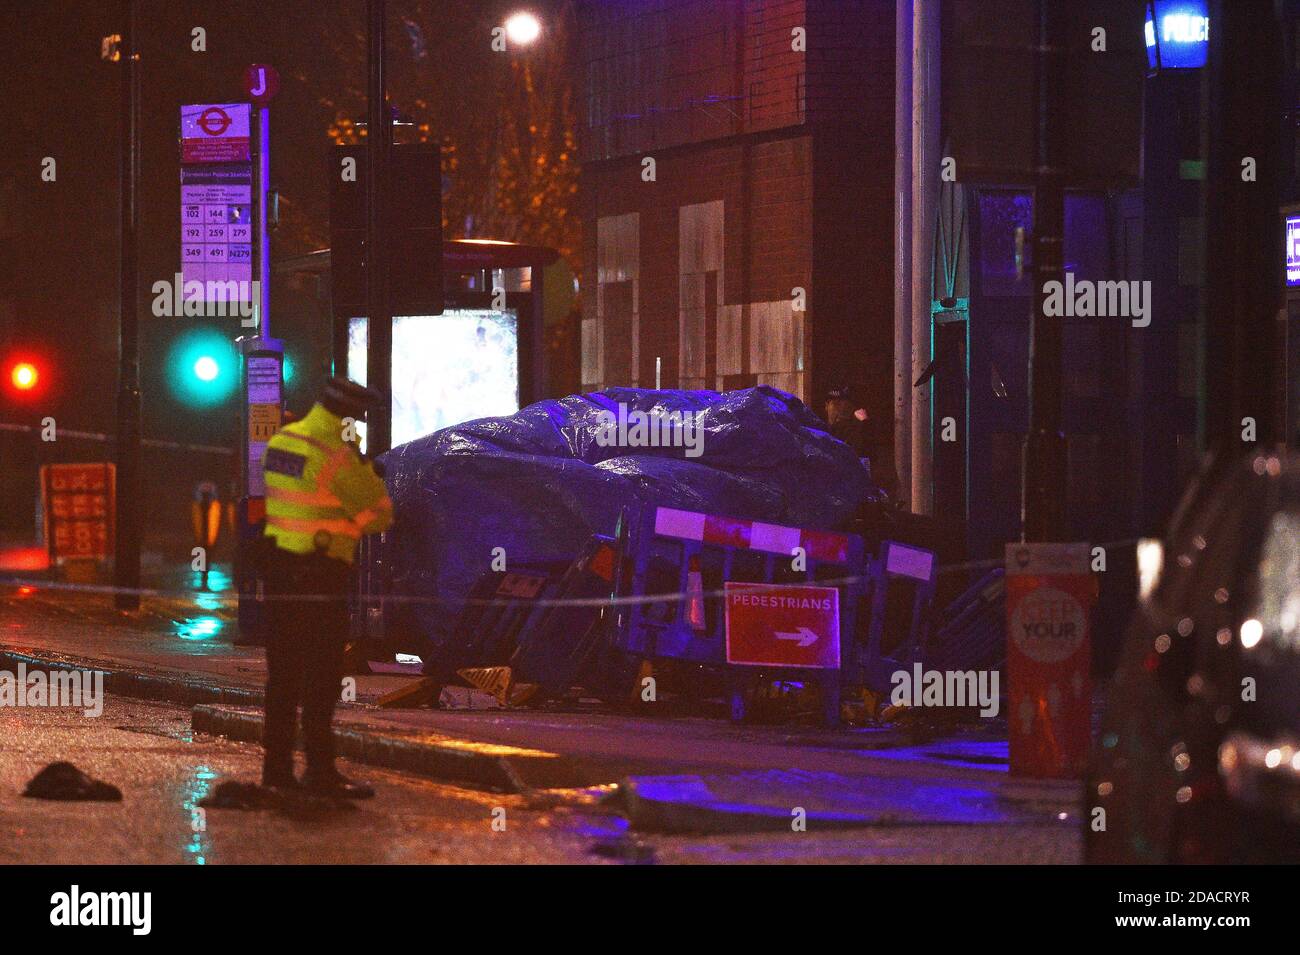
x=668 y=771
x=165 y=770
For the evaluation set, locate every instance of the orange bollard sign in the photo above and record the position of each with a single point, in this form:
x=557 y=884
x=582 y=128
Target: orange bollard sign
x=1050 y=590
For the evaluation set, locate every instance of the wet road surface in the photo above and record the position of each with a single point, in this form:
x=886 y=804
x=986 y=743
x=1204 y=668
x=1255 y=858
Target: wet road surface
x=163 y=770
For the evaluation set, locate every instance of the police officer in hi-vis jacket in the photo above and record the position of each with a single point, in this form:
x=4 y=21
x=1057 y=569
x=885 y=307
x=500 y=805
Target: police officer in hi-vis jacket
x=321 y=496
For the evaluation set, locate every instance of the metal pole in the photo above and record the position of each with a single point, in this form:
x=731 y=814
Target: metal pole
x=126 y=545
x=379 y=132
x=903 y=248
x=1244 y=369
x=263 y=237
x=1043 y=500
x=926 y=155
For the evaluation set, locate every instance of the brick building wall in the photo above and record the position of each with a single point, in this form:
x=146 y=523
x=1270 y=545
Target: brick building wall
x=772 y=173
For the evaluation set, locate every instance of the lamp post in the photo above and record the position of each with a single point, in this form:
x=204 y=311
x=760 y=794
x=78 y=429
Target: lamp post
x=1043 y=501
x=379 y=427
x=521 y=29
x=126 y=537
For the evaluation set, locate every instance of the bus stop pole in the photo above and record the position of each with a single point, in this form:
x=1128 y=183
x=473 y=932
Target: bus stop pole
x=260 y=193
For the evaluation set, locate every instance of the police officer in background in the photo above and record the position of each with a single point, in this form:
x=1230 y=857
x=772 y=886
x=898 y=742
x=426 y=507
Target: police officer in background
x=321 y=496
x=853 y=427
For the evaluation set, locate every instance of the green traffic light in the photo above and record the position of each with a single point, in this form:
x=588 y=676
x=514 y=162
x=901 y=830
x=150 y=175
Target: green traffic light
x=206 y=368
x=202 y=368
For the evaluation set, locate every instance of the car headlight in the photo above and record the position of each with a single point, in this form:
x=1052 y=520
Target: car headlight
x=1150 y=562
x=1262 y=774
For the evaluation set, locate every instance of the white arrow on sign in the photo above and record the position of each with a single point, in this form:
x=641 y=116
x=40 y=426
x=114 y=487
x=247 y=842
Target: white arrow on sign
x=805 y=636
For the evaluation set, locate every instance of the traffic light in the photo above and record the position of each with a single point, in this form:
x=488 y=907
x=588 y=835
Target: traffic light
x=25 y=378
x=203 y=368
x=206 y=368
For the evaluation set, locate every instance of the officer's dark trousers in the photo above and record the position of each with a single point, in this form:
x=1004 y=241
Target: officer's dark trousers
x=307 y=627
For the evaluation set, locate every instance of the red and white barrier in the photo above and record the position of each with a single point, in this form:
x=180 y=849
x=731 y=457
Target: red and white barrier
x=736 y=532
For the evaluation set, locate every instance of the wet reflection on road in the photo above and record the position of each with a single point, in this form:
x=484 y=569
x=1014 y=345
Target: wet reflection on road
x=196 y=789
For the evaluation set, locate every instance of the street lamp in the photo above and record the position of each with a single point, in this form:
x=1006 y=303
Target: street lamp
x=522 y=28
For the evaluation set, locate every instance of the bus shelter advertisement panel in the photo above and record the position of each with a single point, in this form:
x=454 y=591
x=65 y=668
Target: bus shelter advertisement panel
x=447 y=369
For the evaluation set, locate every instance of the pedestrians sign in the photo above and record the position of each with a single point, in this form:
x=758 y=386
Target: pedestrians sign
x=214 y=132
x=1049 y=591
x=782 y=625
x=261 y=83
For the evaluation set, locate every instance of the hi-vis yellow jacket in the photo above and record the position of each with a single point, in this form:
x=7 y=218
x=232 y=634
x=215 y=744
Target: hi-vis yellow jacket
x=321 y=495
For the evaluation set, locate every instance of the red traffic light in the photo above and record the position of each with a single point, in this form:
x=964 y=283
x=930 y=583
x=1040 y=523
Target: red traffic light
x=24 y=376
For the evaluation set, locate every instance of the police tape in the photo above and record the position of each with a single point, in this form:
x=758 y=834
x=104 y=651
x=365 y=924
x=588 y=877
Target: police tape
x=232 y=597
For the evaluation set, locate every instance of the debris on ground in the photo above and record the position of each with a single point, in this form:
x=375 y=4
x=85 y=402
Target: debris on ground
x=499 y=682
x=294 y=803
x=626 y=849
x=236 y=795
x=423 y=692
x=64 y=781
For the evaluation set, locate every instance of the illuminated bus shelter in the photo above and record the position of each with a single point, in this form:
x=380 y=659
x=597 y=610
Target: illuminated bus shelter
x=482 y=356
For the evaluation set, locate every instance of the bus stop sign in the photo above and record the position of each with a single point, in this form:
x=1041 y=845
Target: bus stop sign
x=261 y=83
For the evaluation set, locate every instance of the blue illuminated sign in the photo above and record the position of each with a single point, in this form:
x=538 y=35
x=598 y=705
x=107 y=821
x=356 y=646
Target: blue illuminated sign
x=1293 y=251
x=1177 y=34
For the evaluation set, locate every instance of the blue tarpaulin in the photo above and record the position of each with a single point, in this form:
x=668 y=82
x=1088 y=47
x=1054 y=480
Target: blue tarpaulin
x=537 y=483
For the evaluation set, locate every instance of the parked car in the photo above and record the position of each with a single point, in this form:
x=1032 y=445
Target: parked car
x=1198 y=758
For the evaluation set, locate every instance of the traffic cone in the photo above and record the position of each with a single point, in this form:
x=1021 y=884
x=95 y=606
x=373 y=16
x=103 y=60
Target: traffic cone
x=695 y=595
